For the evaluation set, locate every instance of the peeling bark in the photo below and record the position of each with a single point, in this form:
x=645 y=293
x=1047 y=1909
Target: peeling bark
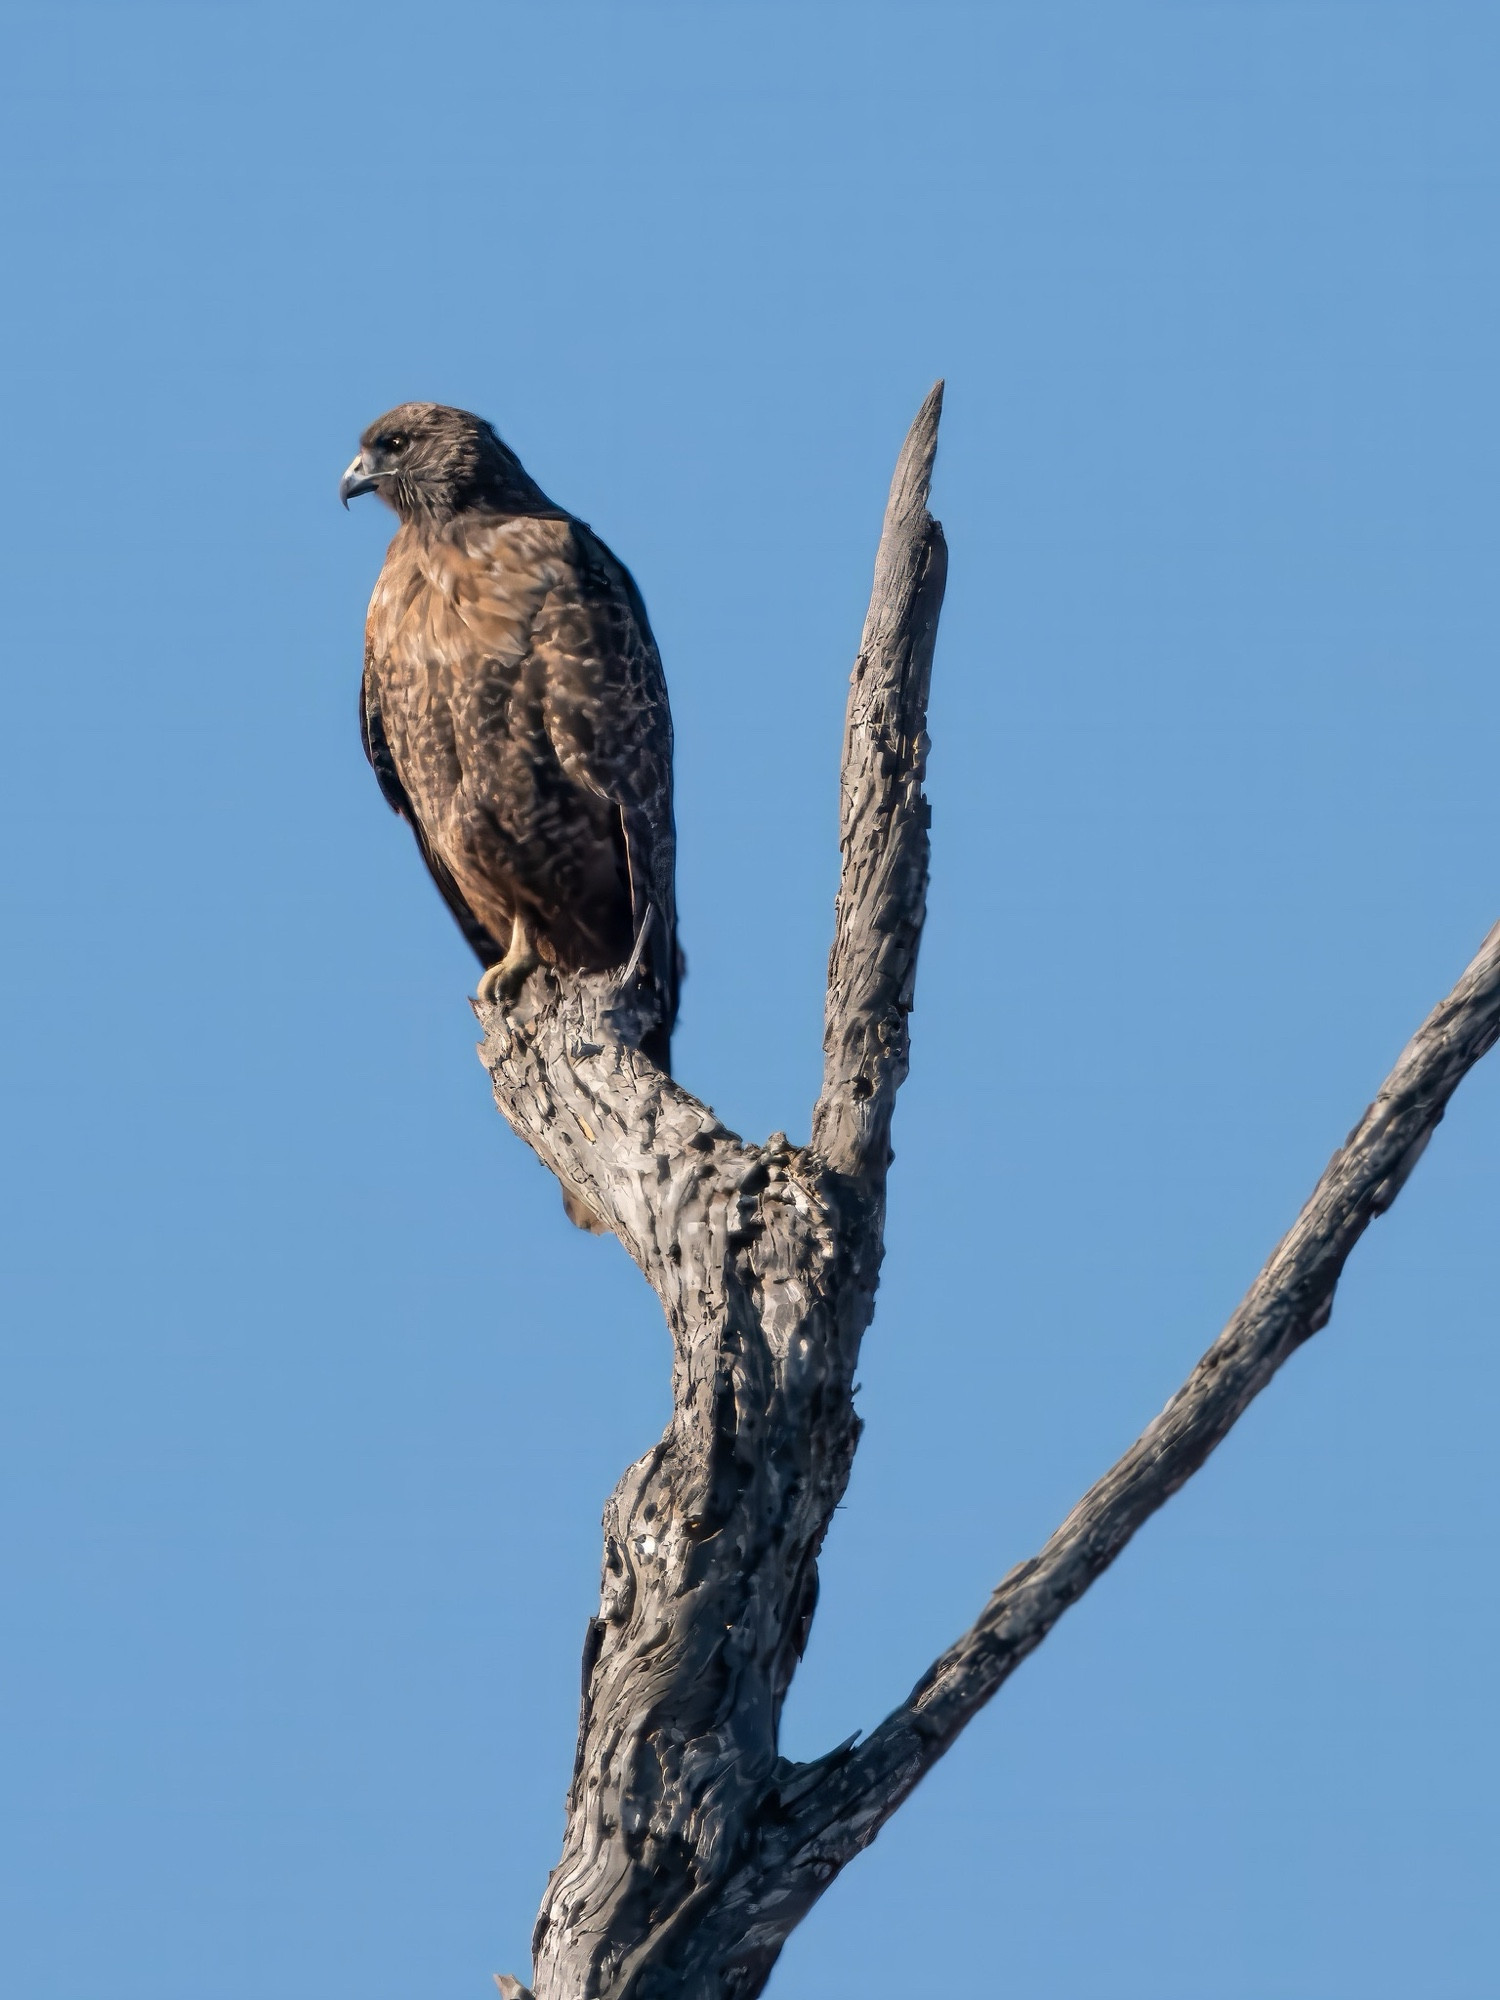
x=692 y=1847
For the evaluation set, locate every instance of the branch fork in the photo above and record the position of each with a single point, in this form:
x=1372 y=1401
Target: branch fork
x=692 y=1847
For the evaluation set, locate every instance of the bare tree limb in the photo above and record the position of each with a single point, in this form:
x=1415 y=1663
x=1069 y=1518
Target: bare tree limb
x=617 y=1132
x=883 y=821
x=1290 y=1300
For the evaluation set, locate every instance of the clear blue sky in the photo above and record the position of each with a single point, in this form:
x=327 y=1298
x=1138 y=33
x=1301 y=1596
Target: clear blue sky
x=311 y=1398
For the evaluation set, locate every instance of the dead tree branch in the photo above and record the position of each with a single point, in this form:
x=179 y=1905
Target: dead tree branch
x=883 y=822
x=692 y=1848
x=1290 y=1301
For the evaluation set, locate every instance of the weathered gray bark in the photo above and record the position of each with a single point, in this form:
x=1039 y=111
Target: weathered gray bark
x=692 y=1848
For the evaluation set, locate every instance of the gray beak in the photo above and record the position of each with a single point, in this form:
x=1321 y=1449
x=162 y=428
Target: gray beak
x=357 y=479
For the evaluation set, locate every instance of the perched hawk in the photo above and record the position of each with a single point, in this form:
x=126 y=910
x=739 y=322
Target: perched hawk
x=515 y=714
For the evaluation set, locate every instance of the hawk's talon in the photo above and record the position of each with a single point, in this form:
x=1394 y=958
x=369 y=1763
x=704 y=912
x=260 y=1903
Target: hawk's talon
x=501 y=985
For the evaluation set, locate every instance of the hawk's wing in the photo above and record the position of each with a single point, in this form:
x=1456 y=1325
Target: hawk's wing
x=488 y=950
x=605 y=711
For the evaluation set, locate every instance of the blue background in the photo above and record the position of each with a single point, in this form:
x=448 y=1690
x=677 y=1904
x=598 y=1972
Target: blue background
x=311 y=1398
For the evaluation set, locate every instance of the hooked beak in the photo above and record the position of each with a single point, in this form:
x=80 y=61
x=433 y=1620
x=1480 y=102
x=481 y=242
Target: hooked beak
x=357 y=479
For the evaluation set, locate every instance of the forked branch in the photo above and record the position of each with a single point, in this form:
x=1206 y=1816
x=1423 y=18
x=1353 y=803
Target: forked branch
x=765 y=1259
x=1290 y=1300
x=692 y=1847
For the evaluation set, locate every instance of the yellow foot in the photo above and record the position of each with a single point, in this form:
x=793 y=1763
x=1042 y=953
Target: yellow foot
x=501 y=985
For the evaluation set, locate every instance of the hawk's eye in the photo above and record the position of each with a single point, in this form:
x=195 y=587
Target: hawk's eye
x=395 y=442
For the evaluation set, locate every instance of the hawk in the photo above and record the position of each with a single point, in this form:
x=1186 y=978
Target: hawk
x=515 y=713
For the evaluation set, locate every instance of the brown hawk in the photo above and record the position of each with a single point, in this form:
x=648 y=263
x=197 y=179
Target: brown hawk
x=515 y=713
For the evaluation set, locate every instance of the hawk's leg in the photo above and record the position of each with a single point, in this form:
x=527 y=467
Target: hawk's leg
x=502 y=984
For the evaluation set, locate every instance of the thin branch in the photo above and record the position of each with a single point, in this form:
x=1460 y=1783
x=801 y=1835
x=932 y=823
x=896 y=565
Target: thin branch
x=883 y=823
x=844 y=1807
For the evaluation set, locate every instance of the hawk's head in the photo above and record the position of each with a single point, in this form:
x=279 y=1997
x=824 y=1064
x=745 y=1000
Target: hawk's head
x=431 y=462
